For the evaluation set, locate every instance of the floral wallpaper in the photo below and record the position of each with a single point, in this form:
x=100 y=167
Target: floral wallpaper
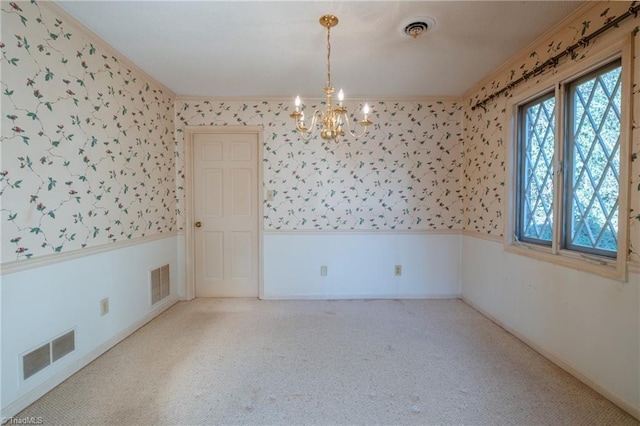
x=87 y=144
x=90 y=155
x=485 y=129
x=406 y=174
x=484 y=169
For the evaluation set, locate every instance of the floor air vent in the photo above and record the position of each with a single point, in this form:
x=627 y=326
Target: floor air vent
x=159 y=284
x=42 y=357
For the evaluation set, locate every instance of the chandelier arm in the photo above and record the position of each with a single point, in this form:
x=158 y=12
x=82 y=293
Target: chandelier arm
x=353 y=134
x=317 y=114
x=305 y=136
x=314 y=119
x=307 y=132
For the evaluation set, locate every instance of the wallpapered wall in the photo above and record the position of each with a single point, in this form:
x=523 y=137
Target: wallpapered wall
x=406 y=174
x=87 y=144
x=88 y=150
x=484 y=188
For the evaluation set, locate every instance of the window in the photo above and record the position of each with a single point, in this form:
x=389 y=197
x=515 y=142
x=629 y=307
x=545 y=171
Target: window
x=569 y=187
x=593 y=162
x=536 y=152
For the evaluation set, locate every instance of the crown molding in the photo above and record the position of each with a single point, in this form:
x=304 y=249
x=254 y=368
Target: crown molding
x=370 y=99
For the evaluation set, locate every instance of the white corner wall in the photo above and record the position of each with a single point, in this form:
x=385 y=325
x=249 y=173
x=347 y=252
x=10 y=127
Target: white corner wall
x=361 y=265
x=587 y=324
x=44 y=302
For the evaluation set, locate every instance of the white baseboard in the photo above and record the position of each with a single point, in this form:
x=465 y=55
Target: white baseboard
x=29 y=398
x=357 y=296
x=618 y=400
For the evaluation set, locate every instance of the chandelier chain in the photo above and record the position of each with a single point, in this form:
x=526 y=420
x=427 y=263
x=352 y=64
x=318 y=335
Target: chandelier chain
x=329 y=57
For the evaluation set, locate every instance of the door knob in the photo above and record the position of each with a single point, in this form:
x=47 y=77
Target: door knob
x=198 y=224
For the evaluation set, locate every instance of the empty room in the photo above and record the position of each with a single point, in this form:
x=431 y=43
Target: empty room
x=320 y=212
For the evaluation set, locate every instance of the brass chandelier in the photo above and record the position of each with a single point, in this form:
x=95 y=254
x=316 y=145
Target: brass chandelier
x=333 y=118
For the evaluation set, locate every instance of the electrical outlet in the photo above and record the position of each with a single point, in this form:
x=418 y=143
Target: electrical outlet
x=323 y=271
x=104 y=306
x=397 y=270
x=270 y=193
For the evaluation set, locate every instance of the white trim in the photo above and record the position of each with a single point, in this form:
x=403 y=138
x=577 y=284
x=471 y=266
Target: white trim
x=364 y=232
x=606 y=268
x=488 y=237
x=188 y=131
x=633 y=266
x=585 y=378
x=289 y=100
x=189 y=284
x=103 y=45
x=361 y=296
x=32 y=396
x=261 y=194
x=49 y=259
x=626 y=148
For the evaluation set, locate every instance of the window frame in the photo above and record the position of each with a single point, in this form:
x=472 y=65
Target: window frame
x=569 y=158
x=558 y=83
x=520 y=164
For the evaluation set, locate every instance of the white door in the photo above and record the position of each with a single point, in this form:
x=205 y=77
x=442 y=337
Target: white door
x=225 y=176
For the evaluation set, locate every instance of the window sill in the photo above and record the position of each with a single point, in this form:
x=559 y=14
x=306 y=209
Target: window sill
x=604 y=267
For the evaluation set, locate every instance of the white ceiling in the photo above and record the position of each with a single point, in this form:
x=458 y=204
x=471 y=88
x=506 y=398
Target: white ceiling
x=267 y=48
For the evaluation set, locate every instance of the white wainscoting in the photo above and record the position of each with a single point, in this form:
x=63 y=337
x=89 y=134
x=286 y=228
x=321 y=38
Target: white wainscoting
x=41 y=303
x=587 y=324
x=361 y=265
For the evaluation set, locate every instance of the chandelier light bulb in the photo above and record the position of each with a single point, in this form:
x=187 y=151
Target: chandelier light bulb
x=365 y=110
x=340 y=97
x=298 y=102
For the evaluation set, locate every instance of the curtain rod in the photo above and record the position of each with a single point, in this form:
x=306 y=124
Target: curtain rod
x=553 y=62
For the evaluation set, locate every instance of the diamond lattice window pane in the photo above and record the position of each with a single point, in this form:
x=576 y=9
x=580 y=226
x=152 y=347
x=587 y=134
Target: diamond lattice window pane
x=536 y=189
x=595 y=120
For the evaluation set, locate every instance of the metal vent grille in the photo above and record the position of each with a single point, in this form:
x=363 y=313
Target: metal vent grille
x=417 y=26
x=415 y=29
x=45 y=355
x=160 y=284
x=63 y=345
x=36 y=360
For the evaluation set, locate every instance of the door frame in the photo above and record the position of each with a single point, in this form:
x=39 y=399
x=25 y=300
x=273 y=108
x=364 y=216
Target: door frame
x=189 y=131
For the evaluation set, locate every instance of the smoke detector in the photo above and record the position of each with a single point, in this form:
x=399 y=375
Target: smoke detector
x=417 y=26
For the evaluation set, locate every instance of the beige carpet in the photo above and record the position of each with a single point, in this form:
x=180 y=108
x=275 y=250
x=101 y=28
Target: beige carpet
x=359 y=362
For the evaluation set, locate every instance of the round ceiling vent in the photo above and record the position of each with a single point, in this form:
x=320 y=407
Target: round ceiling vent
x=417 y=26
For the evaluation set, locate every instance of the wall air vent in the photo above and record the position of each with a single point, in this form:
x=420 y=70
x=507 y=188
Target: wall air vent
x=38 y=359
x=160 y=287
x=63 y=345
